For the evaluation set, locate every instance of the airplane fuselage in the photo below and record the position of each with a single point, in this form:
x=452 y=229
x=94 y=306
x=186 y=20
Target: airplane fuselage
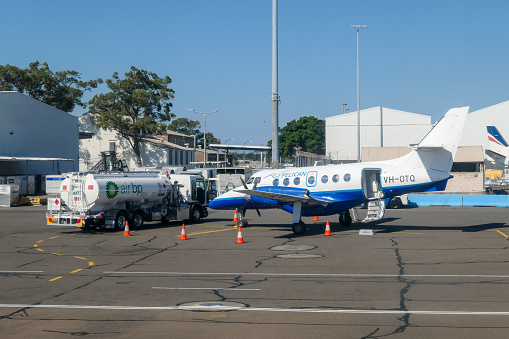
x=339 y=187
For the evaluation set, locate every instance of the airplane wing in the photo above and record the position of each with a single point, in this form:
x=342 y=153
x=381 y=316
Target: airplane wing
x=494 y=154
x=286 y=195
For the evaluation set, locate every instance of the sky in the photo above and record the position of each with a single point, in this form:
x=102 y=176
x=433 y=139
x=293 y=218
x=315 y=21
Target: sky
x=423 y=57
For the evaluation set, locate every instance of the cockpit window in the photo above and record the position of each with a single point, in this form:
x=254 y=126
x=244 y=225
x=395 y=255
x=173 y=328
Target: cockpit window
x=257 y=180
x=250 y=181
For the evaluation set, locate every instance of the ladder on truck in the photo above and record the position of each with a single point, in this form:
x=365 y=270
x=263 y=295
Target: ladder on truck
x=376 y=210
x=76 y=190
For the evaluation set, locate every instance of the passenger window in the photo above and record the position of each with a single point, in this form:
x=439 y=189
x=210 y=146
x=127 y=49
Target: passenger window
x=275 y=182
x=286 y=182
x=335 y=178
x=325 y=179
x=347 y=177
x=296 y=181
x=311 y=180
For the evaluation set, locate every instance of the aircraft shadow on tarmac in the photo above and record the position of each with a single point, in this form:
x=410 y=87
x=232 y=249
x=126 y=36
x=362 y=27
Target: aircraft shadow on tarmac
x=381 y=227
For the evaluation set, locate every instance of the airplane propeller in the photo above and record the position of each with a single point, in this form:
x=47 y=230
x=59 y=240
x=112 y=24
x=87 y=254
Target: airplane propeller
x=256 y=207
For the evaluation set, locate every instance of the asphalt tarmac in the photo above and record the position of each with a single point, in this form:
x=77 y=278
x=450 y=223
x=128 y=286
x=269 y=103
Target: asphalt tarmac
x=426 y=272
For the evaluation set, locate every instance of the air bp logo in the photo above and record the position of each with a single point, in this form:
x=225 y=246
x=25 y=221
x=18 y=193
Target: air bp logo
x=111 y=190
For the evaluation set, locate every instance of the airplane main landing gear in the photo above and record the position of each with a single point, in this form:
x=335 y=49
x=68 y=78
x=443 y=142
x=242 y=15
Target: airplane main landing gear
x=299 y=228
x=345 y=219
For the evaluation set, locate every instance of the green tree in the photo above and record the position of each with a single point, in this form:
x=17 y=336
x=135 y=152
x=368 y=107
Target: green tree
x=192 y=127
x=307 y=133
x=185 y=126
x=62 y=90
x=211 y=139
x=136 y=106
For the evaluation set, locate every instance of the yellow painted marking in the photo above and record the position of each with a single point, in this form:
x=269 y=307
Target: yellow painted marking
x=40 y=250
x=55 y=278
x=40 y=241
x=56 y=253
x=79 y=269
x=55 y=237
x=35 y=245
x=80 y=258
x=90 y=263
x=208 y=232
x=502 y=234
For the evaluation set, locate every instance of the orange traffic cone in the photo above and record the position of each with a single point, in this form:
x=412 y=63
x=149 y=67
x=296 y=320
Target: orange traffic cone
x=235 y=217
x=316 y=218
x=327 y=229
x=183 y=235
x=240 y=240
x=127 y=233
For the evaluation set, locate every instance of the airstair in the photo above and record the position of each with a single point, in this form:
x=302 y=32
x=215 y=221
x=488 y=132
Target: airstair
x=373 y=193
x=376 y=210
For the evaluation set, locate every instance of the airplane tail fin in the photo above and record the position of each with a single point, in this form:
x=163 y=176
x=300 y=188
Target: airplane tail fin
x=495 y=136
x=438 y=148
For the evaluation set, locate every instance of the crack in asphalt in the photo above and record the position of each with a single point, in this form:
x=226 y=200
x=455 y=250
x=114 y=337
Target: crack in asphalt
x=405 y=318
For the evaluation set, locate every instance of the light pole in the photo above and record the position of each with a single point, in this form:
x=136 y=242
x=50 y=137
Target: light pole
x=358 y=27
x=204 y=133
x=245 y=152
x=226 y=155
x=343 y=104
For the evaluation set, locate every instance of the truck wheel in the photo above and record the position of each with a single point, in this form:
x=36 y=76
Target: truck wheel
x=137 y=220
x=195 y=214
x=120 y=220
x=89 y=225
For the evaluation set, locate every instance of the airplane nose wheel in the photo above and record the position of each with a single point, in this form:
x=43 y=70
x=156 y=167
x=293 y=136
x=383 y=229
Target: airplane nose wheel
x=299 y=228
x=242 y=223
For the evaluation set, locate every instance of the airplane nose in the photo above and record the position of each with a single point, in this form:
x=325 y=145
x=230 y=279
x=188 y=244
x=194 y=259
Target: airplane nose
x=214 y=204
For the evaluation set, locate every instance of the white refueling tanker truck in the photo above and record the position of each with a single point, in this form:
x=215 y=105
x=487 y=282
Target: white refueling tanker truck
x=108 y=200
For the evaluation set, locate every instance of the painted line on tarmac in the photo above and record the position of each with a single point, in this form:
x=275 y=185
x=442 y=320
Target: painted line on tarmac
x=21 y=271
x=255 y=309
x=208 y=288
x=507 y=237
x=204 y=232
x=353 y=275
x=56 y=278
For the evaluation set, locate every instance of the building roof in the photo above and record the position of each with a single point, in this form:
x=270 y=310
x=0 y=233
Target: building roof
x=161 y=143
x=177 y=134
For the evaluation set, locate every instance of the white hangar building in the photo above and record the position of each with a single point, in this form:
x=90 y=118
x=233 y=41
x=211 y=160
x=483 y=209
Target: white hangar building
x=35 y=138
x=385 y=127
x=380 y=127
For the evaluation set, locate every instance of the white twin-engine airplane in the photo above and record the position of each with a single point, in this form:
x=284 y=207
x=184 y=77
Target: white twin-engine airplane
x=334 y=189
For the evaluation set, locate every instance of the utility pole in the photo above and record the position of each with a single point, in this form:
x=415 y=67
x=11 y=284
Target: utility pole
x=358 y=27
x=204 y=133
x=275 y=94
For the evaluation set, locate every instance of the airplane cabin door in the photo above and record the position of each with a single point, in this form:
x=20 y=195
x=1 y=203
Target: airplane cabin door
x=371 y=183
